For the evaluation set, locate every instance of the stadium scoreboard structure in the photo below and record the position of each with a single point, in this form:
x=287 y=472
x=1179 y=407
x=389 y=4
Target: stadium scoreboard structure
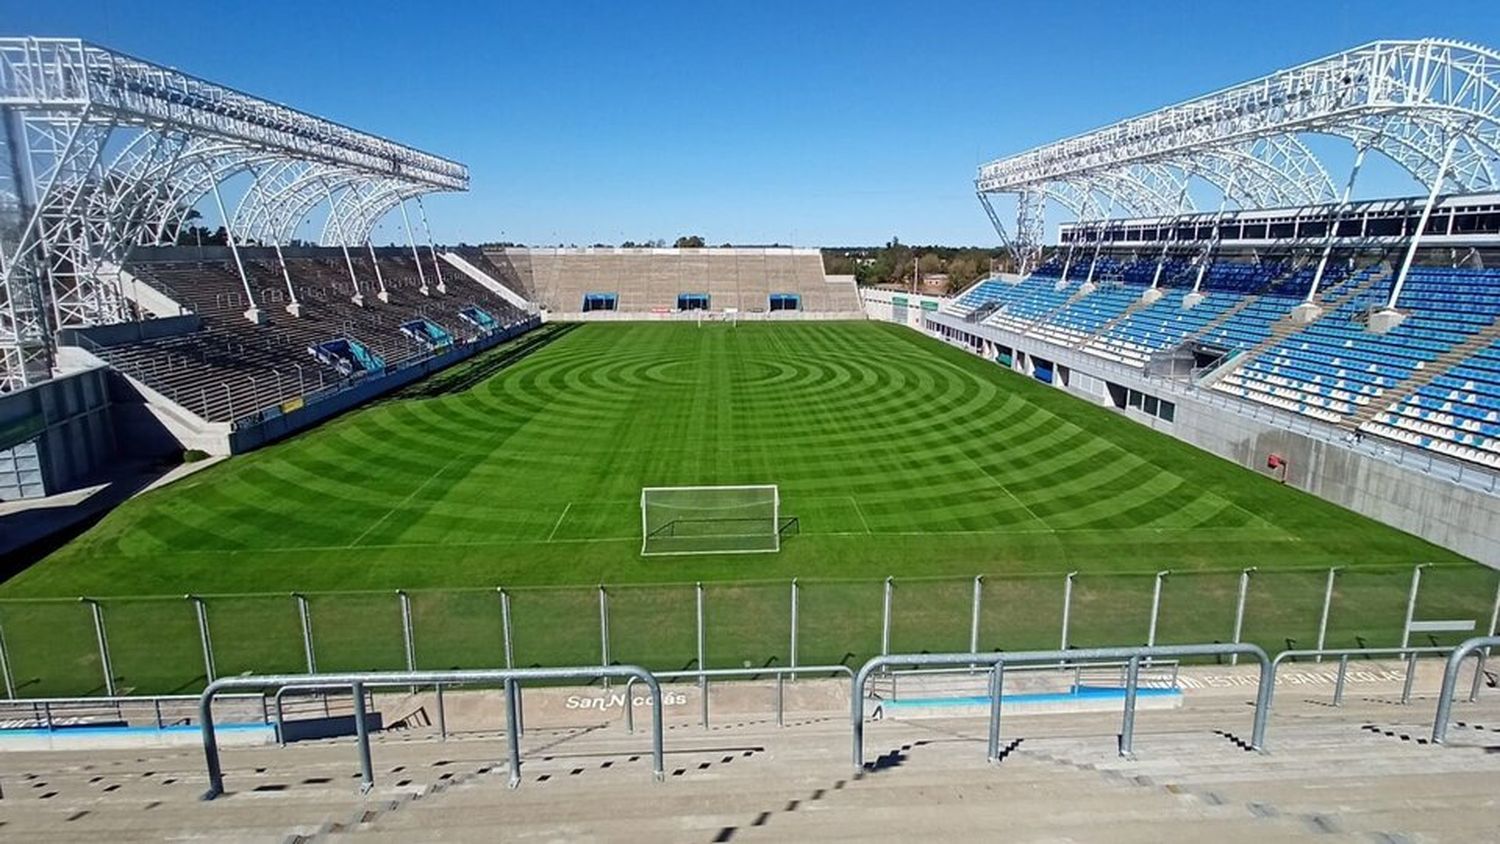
x=710 y=520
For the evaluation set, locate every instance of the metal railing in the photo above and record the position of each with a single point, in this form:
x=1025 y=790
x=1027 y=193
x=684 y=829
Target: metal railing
x=1344 y=655
x=997 y=663
x=1168 y=672
x=703 y=677
x=278 y=706
x=1450 y=681
x=51 y=713
x=356 y=682
x=1339 y=614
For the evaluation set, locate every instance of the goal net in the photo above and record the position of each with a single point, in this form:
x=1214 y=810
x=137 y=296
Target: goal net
x=710 y=519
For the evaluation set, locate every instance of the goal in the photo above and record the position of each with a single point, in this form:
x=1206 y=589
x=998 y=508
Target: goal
x=729 y=315
x=710 y=520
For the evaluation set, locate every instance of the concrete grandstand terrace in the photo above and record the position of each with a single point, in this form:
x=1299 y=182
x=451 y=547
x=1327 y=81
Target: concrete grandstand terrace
x=1363 y=772
x=230 y=366
x=649 y=280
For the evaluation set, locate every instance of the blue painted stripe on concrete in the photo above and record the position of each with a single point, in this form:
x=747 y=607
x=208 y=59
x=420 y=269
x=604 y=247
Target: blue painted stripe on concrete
x=126 y=731
x=1078 y=693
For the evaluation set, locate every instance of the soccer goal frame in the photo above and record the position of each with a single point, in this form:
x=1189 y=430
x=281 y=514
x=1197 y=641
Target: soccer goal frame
x=729 y=315
x=729 y=519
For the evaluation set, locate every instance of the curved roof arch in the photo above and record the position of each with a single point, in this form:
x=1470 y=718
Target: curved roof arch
x=1432 y=106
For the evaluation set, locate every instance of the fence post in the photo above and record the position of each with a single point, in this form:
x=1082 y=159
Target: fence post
x=1327 y=605
x=200 y=609
x=974 y=614
x=1155 y=607
x=1239 y=611
x=102 y=637
x=1338 y=686
x=997 y=688
x=604 y=628
x=1484 y=653
x=505 y=635
x=1067 y=607
x=702 y=678
x=362 y=735
x=1411 y=676
x=885 y=619
x=1411 y=602
x=793 y=655
x=304 y=614
x=10 y=683
x=406 y=634
x=780 y=697
x=1127 y=727
x=513 y=733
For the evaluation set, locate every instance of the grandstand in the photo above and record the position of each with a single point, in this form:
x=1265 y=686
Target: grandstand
x=223 y=368
x=1367 y=327
x=594 y=282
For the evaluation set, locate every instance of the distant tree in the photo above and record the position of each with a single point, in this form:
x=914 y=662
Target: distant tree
x=692 y=241
x=835 y=263
x=962 y=272
x=930 y=264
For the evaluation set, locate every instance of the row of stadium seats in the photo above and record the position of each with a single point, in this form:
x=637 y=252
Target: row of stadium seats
x=231 y=367
x=1433 y=381
x=1335 y=366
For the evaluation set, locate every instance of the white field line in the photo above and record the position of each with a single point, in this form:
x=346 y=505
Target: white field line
x=559 y=521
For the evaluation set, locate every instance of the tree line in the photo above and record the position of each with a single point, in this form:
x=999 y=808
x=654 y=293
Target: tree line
x=896 y=262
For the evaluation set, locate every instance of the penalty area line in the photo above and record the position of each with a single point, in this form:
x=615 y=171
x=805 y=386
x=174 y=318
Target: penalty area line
x=560 y=518
x=861 y=513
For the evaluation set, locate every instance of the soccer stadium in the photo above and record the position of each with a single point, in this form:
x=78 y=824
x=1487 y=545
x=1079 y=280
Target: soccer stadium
x=319 y=523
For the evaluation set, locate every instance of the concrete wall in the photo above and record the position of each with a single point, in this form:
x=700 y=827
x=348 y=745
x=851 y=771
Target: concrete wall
x=278 y=425
x=55 y=434
x=1461 y=518
x=895 y=306
x=130 y=332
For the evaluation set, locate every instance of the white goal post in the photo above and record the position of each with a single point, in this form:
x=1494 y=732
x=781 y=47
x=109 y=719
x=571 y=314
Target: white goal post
x=710 y=520
x=729 y=315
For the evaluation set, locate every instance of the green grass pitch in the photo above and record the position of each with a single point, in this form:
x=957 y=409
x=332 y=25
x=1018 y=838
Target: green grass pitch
x=898 y=455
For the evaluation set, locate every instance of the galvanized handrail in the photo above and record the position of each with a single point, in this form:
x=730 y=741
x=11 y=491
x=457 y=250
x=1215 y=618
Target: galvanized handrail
x=45 y=709
x=702 y=675
x=510 y=677
x=1076 y=668
x=278 y=705
x=1450 y=680
x=997 y=661
x=1345 y=653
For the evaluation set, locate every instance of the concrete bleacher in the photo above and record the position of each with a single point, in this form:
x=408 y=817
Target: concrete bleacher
x=230 y=366
x=650 y=280
x=1362 y=772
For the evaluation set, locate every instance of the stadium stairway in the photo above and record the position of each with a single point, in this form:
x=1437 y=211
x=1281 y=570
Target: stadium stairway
x=1138 y=305
x=1362 y=772
x=1329 y=301
x=1440 y=365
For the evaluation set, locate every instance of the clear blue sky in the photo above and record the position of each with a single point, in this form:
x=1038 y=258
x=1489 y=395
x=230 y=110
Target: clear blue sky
x=818 y=123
